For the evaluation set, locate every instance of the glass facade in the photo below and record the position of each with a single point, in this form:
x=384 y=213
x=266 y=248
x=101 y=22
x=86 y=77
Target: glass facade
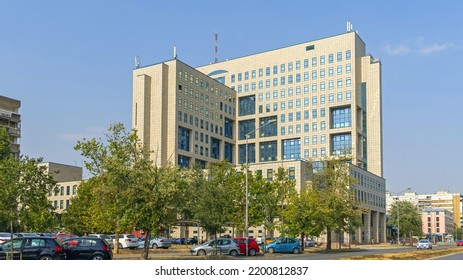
x=341 y=117
x=246 y=127
x=184 y=139
x=183 y=161
x=268 y=129
x=341 y=144
x=215 y=148
x=291 y=149
x=251 y=153
x=268 y=151
x=228 y=152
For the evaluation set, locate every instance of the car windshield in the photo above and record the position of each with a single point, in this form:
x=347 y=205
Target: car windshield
x=423 y=241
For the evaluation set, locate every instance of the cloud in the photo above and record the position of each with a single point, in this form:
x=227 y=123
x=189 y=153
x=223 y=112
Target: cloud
x=398 y=50
x=89 y=133
x=434 y=48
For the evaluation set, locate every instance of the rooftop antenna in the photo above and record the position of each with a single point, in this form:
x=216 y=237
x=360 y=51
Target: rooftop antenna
x=137 y=62
x=349 y=27
x=175 y=52
x=216 y=49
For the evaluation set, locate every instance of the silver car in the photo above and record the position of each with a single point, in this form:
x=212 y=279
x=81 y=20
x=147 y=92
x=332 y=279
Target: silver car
x=156 y=243
x=424 y=244
x=224 y=246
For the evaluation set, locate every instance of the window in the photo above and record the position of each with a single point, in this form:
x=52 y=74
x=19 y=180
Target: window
x=268 y=127
x=215 y=148
x=292 y=173
x=246 y=127
x=341 y=117
x=339 y=57
x=290 y=66
x=322 y=60
x=268 y=151
x=275 y=70
x=348 y=70
x=341 y=144
x=269 y=174
x=291 y=149
x=314 y=61
x=298 y=65
x=251 y=153
x=306 y=63
x=240 y=77
x=330 y=58
x=68 y=190
x=348 y=54
x=282 y=68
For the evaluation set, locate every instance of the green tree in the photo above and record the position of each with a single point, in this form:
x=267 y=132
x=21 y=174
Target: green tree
x=156 y=196
x=78 y=217
x=110 y=163
x=303 y=213
x=215 y=198
x=407 y=218
x=333 y=180
x=5 y=150
x=24 y=189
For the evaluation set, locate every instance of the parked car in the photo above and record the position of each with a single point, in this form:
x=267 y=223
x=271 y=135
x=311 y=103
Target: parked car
x=253 y=247
x=284 y=245
x=33 y=248
x=63 y=236
x=193 y=240
x=310 y=243
x=225 y=246
x=460 y=243
x=179 y=241
x=424 y=244
x=128 y=241
x=87 y=248
x=155 y=243
x=260 y=240
x=5 y=236
x=26 y=234
x=106 y=237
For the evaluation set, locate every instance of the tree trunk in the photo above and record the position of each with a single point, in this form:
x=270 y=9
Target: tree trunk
x=146 y=246
x=116 y=244
x=302 y=242
x=328 y=239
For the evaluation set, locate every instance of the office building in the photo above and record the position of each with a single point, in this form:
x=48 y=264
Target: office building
x=68 y=179
x=10 y=118
x=446 y=200
x=307 y=101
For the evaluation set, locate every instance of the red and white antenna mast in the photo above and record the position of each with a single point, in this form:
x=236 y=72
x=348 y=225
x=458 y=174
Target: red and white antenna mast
x=216 y=50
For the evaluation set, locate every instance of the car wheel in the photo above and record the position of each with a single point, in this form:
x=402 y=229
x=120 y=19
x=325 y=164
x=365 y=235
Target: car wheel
x=234 y=253
x=46 y=258
x=155 y=246
x=271 y=250
x=201 y=253
x=98 y=257
x=296 y=251
x=252 y=252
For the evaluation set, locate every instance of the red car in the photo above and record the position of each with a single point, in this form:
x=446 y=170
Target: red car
x=460 y=243
x=253 y=248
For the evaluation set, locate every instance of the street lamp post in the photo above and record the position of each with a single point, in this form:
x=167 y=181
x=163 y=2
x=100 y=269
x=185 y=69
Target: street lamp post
x=247 y=186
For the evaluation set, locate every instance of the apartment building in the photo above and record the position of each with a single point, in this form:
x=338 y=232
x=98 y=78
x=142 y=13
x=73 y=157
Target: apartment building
x=438 y=223
x=452 y=202
x=68 y=179
x=10 y=118
x=281 y=107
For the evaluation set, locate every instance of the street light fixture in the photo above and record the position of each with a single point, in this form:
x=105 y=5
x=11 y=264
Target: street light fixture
x=247 y=191
x=398 y=215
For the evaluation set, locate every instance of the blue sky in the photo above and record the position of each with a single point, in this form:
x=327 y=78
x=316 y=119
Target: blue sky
x=70 y=63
